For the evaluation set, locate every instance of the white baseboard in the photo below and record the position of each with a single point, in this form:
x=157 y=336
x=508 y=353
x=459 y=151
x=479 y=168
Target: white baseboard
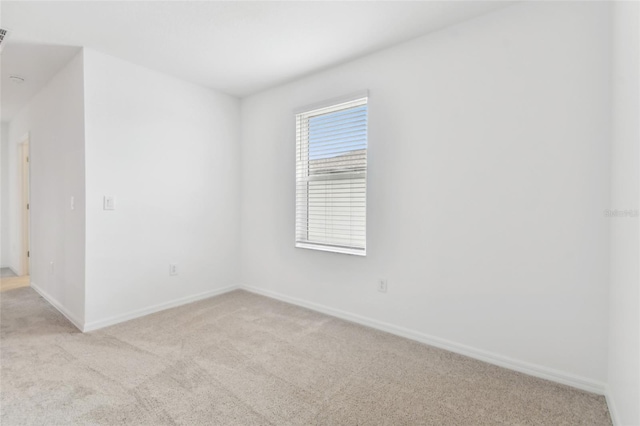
x=54 y=302
x=553 y=375
x=98 y=324
x=613 y=411
x=482 y=355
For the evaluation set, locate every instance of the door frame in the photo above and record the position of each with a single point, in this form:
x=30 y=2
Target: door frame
x=25 y=210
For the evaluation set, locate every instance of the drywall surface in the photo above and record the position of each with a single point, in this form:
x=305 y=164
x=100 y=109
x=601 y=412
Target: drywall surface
x=168 y=152
x=624 y=325
x=4 y=195
x=488 y=178
x=53 y=123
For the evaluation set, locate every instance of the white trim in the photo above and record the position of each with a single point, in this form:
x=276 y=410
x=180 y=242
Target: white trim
x=332 y=249
x=53 y=302
x=535 y=370
x=333 y=101
x=98 y=324
x=613 y=411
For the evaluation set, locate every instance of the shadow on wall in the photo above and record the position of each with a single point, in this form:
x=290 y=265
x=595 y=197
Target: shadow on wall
x=36 y=64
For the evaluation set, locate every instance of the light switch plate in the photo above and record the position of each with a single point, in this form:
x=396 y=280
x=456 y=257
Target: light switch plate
x=109 y=202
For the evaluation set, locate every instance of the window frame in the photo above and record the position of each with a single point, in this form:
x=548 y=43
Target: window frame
x=334 y=102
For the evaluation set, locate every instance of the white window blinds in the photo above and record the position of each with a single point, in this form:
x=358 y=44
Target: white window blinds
x=331 y=177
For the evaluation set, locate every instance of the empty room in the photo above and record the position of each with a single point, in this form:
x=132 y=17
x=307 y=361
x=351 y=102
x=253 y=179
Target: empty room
x=320 y=213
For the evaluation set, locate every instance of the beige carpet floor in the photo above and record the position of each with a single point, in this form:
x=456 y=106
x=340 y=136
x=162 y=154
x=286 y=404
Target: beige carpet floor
x=243 y=359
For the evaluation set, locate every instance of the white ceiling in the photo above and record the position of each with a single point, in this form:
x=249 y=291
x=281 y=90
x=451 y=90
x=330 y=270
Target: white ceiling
x=235 y=47
x=36 y=63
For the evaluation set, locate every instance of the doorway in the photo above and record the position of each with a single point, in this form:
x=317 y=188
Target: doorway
x=9 y=280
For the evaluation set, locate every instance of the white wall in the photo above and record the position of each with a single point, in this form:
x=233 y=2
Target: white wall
x=4 y=195
x=488 y=177
x=168 y=151
x=54 y=122
x=624 y=307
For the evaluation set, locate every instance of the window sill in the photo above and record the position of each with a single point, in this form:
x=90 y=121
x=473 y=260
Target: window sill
x=333 y=249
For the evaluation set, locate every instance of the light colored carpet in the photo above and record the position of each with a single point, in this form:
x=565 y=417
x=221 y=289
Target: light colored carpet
x=243 y=359
x=7 y=273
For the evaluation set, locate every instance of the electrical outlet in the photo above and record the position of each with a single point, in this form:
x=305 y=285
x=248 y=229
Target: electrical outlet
x=173 y=269
x=382 y=286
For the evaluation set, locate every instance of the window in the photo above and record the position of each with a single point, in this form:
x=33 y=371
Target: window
x=331 y=176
